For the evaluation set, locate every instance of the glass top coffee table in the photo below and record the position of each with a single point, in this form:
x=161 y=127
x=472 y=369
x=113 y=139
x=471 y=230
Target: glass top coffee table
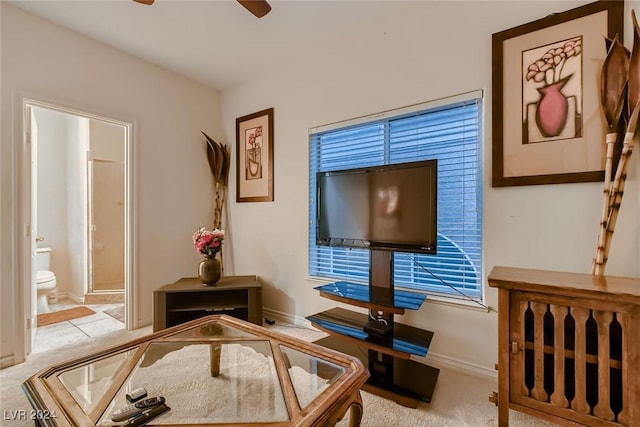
x=217 y=370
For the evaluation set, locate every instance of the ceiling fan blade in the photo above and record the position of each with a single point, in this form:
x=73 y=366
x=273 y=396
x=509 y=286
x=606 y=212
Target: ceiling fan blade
x=258 y=7
x=147 y=2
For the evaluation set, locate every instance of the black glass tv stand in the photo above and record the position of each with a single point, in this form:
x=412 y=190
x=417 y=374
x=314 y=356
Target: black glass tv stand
x=394 y=375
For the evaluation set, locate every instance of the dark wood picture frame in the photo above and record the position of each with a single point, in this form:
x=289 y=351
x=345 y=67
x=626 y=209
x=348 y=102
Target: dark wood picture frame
x=254 y=157
x=523 y=151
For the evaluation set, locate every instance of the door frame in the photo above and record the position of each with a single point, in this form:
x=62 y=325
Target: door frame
x=30 y=194
x=23 y=252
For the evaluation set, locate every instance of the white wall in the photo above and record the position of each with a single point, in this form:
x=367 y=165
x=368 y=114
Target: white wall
x=107 y=141
x=425 y=51
x=76 y=200
x=172 y=188
x=56 y=132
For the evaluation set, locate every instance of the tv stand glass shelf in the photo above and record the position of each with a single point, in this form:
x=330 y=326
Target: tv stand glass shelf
x=357 y=294
x=388 y=356
x=404 y=339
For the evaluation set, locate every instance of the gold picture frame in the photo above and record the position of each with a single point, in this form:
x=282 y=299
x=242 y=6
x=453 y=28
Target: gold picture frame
x=548 y=127
x=254 y=157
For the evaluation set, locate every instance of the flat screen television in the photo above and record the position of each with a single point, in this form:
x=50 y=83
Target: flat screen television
x=390 y=207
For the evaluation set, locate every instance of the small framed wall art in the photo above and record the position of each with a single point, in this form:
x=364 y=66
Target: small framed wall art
x=254 y=157
x=547 y=123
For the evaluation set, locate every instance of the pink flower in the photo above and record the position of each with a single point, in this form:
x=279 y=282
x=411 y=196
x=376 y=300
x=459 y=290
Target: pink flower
x=208 y=242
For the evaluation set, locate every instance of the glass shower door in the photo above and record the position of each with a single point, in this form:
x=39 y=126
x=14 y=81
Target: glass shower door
x=107 y=229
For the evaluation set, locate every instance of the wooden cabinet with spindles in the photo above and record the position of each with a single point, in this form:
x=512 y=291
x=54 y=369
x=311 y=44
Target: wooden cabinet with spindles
x=568 y=347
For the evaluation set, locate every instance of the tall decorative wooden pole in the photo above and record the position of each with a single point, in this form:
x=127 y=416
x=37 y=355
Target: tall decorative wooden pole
x=613 y=72
x=613 y=91
x=219 y=160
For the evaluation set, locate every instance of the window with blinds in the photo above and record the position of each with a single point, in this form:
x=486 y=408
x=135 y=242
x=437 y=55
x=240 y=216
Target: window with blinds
x=447 y=130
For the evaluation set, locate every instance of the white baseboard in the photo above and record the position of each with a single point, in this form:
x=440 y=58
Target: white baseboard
x=440 y=361
x=72 y=297
x=435 y=359
x=6 y=361
x=142 y=323
x=286 y=318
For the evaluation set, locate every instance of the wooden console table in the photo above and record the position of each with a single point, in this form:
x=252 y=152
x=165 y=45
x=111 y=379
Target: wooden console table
x=189 y=299
x=568 y=347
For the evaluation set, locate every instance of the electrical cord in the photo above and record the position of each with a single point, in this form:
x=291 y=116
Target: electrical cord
x=378 y=319
x=452 y=287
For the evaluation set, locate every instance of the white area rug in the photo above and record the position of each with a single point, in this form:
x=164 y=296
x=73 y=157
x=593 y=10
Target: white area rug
x=245 y=391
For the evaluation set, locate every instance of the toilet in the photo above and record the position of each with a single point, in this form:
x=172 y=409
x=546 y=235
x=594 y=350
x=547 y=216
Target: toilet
x=45 y=279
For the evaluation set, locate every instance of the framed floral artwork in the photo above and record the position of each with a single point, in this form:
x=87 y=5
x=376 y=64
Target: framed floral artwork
x=548 y=126
x=254 y=157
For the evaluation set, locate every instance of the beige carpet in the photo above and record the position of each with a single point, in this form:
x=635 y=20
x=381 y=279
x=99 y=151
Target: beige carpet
x=460 y=399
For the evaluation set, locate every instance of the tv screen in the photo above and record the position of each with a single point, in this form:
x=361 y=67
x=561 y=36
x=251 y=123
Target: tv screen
x=380 y=207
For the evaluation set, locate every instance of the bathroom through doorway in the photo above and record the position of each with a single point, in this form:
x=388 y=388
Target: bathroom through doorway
x=81 y=210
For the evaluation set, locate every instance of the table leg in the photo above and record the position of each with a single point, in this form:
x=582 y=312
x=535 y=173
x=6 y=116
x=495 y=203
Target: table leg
x=355 y=411
x=214 y=353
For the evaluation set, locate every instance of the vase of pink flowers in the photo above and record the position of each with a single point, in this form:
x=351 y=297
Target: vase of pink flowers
x=209 y=243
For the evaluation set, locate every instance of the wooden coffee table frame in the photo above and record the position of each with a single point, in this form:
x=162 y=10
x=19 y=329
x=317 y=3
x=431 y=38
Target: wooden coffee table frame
x=49 y=396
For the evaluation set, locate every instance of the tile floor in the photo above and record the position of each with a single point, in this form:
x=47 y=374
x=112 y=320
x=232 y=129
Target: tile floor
x=75 y=331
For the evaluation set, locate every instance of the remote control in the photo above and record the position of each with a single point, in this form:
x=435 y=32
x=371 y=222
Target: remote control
x=146 y=416
x=125 y=413
x=137 y=408
x=137 y=394
x=150 y=402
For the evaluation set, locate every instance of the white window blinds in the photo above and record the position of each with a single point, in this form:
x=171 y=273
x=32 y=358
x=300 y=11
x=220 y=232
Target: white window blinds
x=449 y=132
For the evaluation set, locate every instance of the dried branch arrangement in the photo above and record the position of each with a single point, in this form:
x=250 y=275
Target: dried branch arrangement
x=620 y=98
x=219 y=161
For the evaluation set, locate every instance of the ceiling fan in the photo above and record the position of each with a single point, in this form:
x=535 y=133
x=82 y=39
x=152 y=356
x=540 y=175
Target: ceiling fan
x=258 y=7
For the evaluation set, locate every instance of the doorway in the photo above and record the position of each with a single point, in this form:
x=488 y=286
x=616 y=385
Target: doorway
x=81 y=212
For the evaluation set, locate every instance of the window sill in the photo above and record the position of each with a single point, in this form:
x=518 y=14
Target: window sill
x=456 y=302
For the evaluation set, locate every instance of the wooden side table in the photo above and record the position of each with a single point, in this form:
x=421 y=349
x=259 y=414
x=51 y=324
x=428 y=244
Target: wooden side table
x=189 y=299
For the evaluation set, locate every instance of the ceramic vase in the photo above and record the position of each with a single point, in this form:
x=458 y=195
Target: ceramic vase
x=553 y=108
x=209 y=270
